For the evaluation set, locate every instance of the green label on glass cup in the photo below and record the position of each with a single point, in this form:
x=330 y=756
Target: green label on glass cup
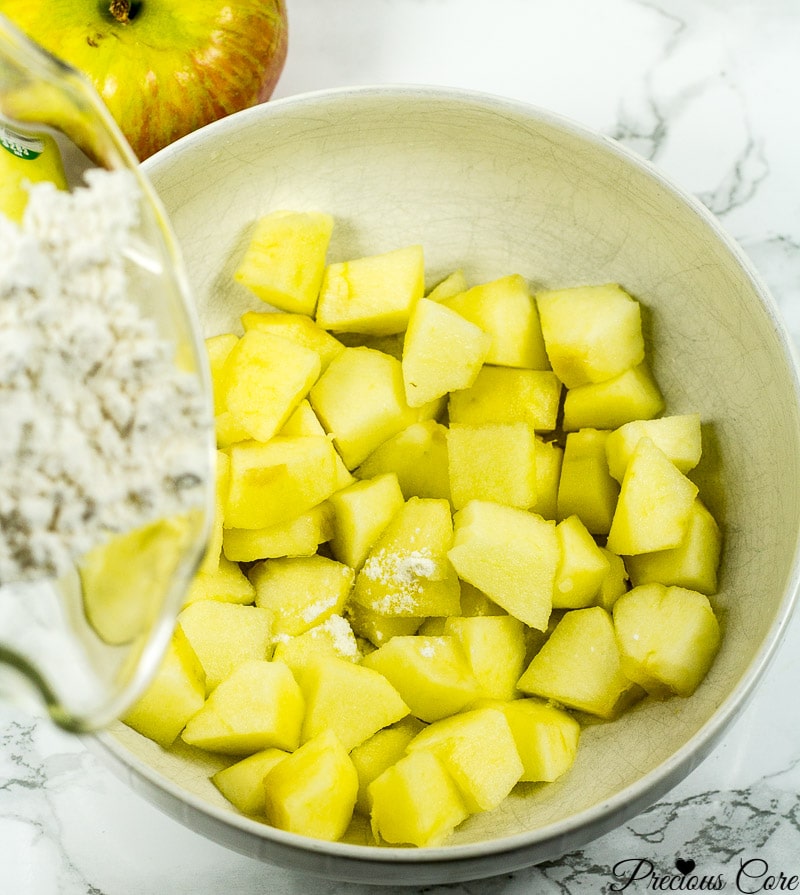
x=20 y=145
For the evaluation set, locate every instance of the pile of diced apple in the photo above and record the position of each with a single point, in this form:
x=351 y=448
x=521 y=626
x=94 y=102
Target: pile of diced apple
x=451 y=527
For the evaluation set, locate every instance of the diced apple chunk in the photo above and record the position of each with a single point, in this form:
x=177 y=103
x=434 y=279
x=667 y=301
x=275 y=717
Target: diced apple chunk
x=301 y=591
x=285 y=259
x=217 y=349
x=333 y=637
x=122 y=578
x=361 y=513
x=586 y=488
x=263 y=379
x=692 y=564
x=549 y=457
x=495 y=648
x=546 y=738
x=360 y=400
x=378 y=628
x=679 y=437
x=298 y=537
x=505 y=309
x=509 y=395
x=296 y=328
x=304 y=421
x=493 y=462
x=432 y=627
x=242 y=783
x=417 y=456
x=276 y=481
x=258 y=706
x=229 y=430
x=633 y=395
x=313 y=791
x=383 y=749
x=452 y=284
x=668 y=637
x=223 y=635
x=475 y=603
x=407 y=572
x=415 y=802
x=654 y=506
x=478 y=750
x=592 y=333
x=442 y=352
x=579 y=665
x=374 y=294
x=177 y=692
x=431 y=674
x=352 y=700
x=509 y=554
x=615 y=584
x=581 y=568
x=227 y=583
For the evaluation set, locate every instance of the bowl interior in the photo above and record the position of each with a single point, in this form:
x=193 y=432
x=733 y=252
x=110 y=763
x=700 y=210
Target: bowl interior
x=497 y=188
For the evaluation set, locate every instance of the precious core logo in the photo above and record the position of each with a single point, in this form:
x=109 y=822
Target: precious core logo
x=753 y=875
x=638 y=872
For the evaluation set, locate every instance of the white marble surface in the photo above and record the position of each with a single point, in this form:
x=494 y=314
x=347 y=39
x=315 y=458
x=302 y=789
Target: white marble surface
x=709 y=90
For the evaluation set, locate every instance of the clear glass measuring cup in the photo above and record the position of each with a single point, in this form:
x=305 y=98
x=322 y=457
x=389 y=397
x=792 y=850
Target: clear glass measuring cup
x=86 y=643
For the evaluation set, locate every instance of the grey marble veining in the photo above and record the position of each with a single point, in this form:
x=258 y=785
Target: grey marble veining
x=709 y=91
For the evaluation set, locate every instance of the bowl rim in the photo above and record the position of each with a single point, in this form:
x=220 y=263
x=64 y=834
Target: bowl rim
x=541 y=843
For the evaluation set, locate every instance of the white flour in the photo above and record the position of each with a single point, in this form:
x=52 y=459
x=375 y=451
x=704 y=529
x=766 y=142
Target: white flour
x=101 y=432
x=341 y=636
x=402 y=573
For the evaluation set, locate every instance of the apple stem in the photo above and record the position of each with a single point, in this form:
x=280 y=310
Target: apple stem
x=121 y=10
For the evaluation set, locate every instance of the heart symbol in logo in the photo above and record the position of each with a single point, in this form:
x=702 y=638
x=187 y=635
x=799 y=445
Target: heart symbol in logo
x=685 y=866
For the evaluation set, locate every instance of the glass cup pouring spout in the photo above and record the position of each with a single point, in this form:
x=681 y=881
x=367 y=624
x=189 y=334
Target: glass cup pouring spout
x=86 y=638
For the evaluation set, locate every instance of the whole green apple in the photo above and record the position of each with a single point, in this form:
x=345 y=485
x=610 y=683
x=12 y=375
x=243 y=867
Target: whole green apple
x=164 y=67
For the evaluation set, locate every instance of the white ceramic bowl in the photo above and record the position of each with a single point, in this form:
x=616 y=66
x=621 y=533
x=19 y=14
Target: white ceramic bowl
x=495 y=187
